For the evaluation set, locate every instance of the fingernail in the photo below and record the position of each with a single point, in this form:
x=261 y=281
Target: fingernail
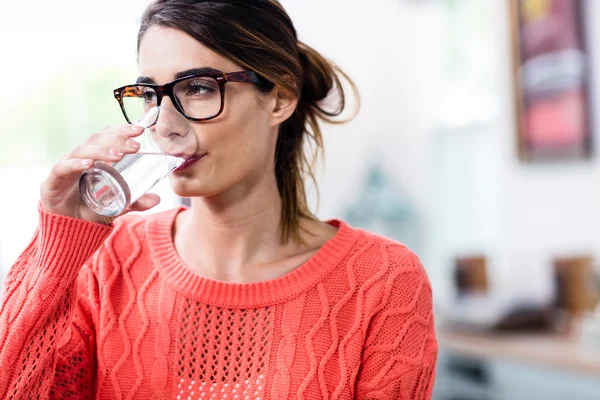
x=86 y=163
x=115 y=153
x=132 y=143
x=136 y=128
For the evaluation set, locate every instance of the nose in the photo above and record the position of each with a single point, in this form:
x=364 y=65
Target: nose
x=170 y=129
x=171 y=122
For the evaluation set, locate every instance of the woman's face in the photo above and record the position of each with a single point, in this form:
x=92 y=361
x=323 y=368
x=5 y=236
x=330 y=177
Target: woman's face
x=238 y=146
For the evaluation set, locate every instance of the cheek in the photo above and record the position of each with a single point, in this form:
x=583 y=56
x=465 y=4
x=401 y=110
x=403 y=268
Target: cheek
x=243 y=136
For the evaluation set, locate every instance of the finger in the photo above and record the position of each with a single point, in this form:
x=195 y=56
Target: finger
x=127 y=131
x=112 y=140
x=65 y=169
x=103 y=153
x=100 y=144
x=146 y=202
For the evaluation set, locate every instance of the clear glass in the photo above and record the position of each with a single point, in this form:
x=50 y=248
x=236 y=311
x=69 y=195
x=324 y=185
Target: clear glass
x=166 y=144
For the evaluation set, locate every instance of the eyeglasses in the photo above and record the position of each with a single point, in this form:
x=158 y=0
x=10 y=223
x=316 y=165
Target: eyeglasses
x=198 y=97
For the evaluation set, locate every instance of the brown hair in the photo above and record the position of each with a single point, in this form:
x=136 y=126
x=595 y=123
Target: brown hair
x=259 y=35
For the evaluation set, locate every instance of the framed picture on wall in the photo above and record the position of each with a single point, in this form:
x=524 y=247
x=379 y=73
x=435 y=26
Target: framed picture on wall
x=551 y=65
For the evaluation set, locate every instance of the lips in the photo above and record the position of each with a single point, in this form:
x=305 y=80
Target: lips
x=190 y=161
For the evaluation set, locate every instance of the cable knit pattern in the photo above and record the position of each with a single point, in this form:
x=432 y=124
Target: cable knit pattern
x=113 y=313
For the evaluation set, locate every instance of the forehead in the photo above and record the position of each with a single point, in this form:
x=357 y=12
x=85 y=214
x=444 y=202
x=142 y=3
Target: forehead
x=164 y=52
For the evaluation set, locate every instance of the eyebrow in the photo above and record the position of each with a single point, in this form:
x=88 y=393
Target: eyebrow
x=187 y=72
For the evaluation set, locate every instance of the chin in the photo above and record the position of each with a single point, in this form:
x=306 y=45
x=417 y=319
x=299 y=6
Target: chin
x=191 y=186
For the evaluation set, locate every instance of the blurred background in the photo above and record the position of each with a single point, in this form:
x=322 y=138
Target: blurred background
x=476 y=145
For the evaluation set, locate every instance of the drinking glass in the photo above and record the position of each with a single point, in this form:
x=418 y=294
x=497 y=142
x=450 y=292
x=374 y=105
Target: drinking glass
x=167 y=142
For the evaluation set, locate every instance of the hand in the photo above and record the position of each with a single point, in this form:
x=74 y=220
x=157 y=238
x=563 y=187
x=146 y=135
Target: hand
x=60 y=191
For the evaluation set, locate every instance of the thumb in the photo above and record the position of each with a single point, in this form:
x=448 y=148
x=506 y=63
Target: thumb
x=146 y=202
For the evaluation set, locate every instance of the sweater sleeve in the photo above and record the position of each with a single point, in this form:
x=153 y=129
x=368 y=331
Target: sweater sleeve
x=45 y=313
x=400 y=352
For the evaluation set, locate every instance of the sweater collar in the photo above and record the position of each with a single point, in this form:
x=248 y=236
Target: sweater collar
x=243 y=295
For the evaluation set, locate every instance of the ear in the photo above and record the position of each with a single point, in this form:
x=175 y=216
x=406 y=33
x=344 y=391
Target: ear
x=284 y=105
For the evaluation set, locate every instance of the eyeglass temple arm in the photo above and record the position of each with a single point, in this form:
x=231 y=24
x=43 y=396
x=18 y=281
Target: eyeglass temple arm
x=245 y=76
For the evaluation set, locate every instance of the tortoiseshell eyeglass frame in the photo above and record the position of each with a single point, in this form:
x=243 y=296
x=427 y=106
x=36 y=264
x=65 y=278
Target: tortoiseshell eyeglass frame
x=167 y=89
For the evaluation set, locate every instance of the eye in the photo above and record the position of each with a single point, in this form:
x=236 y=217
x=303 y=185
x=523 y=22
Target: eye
x=149 y=95
x=200 y=87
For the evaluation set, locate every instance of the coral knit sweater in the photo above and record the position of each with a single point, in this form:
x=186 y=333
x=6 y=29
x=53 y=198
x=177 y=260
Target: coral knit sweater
x=111 y=312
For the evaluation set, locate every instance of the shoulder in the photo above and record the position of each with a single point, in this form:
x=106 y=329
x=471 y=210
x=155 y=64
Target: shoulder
x=391 y=274
x=131 y=235
x=379 y=254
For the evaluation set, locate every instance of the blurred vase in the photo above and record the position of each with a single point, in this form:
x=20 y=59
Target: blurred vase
x=385 y=209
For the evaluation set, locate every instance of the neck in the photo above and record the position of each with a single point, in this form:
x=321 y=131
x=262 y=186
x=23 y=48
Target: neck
x=224 y=234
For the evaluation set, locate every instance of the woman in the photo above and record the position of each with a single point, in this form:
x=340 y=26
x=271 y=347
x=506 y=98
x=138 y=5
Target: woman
x=245 y=295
